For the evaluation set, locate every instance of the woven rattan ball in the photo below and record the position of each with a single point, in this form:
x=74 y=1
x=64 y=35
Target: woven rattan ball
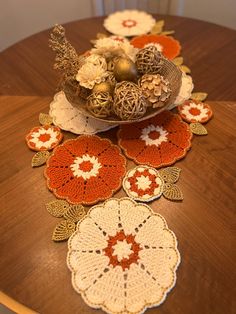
x=100 y=104
x=149 y=60
x=129 y=103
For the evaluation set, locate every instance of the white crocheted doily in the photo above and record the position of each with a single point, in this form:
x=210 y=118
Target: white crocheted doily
x=123 y=257
x=68 y=118
x=185 y=90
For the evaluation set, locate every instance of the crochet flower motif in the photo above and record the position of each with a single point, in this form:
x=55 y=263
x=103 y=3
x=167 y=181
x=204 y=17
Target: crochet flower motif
x=129 y=23
x=157 y=142
x=167 y=45
x=195 y=111
x=85 y=170
x=43 y=138
x=143 y=183
x=123 y=257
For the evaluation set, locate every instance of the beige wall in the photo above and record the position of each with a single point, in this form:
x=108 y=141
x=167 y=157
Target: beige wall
x=21 y=18
x=222 y=12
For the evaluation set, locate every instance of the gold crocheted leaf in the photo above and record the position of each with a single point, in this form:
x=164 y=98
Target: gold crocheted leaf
x=172 y=192
x=40 y=158
x=101 y=35
x=57 y=208
x=170 y=174
x=45 y=119
x=185 y=69
x=75 y=213
x=178 y=61
x=157 y=28
x=198 y=129
x=166 y=33
x=199 y=96
x=63 y=230
x=98 y=36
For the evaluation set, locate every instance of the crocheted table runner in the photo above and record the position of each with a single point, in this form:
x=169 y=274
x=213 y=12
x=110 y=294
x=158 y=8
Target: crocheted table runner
x=85 y=170
x=69 y=118
x=123 y=257
x=157 y=142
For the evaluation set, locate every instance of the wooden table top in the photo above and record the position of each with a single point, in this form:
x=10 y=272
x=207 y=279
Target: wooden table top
x=33 y=268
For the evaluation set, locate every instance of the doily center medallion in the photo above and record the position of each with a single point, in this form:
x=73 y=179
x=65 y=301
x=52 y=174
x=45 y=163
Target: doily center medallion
x=129 y=23
x=85 y=170
x=123 y=257
x=122 y=250
x=157 y=142
x=86 y=167
x=154 y=135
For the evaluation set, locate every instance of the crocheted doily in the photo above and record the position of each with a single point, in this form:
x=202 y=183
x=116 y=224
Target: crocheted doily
x=157 y=142
x=195 y=111
x=123 y=257
x=69 y=118
x=85 y=170
x=143 y=183
x=43 y=138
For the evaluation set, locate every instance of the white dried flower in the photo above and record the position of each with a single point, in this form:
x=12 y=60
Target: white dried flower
x=90 y=74
x=97 y=60
x=110 y=48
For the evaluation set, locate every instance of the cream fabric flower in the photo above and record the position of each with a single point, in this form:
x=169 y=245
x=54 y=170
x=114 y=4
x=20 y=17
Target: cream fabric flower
x=93 y=71
x=109 y=48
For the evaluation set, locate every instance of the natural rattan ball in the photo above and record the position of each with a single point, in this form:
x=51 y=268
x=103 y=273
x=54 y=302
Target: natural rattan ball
x=100 y=104
x=129 y=103
x=149 y=60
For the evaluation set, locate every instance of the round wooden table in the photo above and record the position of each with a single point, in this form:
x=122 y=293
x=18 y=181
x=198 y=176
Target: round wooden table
x=33 y=269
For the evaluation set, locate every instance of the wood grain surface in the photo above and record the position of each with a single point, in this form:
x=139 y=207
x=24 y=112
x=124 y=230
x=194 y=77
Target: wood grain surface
x=32 y=268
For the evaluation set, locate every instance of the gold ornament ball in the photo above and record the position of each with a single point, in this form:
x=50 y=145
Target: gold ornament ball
x=103 y=87
x=125 y=70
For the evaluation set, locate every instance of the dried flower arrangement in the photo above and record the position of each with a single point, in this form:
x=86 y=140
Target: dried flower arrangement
x=114 y=81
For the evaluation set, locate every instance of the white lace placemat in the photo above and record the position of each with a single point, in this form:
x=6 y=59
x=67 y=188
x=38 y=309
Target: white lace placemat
x=123 y=257
x=68 y=118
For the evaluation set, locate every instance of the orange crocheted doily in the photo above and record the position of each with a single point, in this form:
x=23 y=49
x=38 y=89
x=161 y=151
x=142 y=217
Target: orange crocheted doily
x=85 y=170
x=194 y=111
x=157 y=142
x=169 y=46
x=43 y=138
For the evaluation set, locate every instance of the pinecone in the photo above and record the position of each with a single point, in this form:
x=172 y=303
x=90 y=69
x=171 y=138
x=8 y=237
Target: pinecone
x=155 y=89
x=149 y=60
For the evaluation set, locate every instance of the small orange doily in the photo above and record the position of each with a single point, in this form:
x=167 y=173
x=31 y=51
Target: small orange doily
x=43 y=138
x=143 y=183
x=194 y=111
x=167 y=45
x=85 y=170
x=157 y=142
